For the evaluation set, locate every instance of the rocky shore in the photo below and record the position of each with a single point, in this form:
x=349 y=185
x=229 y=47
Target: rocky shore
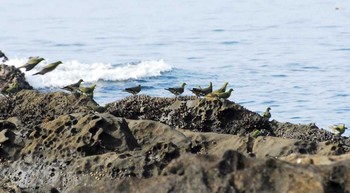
x=60 y=142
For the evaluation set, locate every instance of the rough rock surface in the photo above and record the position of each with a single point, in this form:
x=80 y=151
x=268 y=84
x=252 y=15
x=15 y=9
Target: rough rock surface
x=32 y=107
x=58 y=142
x=215 y=116
x=198 y=115
x=10 y=75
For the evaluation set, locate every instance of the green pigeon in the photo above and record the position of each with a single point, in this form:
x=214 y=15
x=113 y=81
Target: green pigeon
x=96 y=108
x=49 y=68
x=267 y=113
x=256 y=133
x=207 y=90
x=88 y=90
x=11 y=89
x=32 y=62
x=222 y=89
x=225 y=95
x=73 y=87
x=196 y=91
x=133 y=90
x=202 y=91
x=177 y=90
x=338 y=129
x=3 y=56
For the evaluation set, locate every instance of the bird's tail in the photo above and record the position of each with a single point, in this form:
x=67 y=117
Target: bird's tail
x=23 y=66
x=36 y=73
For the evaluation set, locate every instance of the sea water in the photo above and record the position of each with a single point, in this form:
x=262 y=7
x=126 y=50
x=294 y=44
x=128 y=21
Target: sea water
x=293 y=56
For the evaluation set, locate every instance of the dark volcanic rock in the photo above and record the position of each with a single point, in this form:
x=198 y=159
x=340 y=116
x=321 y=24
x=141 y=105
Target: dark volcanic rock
x=10 y=75
x=216 y=116
x=58 y=142
x=93 y=152
x=232 y=172
x=32 y=107
x=198 y=114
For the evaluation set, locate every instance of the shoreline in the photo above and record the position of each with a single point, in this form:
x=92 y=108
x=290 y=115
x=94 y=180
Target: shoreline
x=60 y=142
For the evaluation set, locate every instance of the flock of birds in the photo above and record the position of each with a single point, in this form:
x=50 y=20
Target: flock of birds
x=207 y=92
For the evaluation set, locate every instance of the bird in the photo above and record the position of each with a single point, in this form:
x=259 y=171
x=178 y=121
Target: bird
x=3 y=56
x=177 y=90
x=202 y=91
x=133 y=90
x=49 y=68
x=196 y=91
x=32 y=62
x=267 y=113
x=207 y=90
x=338 y=129
x=225 y=95
x=96 y=108
x=73 y=87
x=10 y=89
x=222 y=89
x=256 y=133
x=89 y=91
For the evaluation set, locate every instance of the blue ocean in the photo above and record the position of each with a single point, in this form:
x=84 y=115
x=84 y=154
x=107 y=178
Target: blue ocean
x=293 y=56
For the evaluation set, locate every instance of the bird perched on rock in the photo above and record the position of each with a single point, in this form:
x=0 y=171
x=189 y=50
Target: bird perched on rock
x=10 y=89
x=202 y=91
x=225 y=95
x=177 y=90
x=222 y=89
x=89 y=91
x=73 y=87
x=267 y=113
x=49 y=68
x=207 y=90
x=32 y=62
x=196 y=91
x=3 y=56
x=133 y=90
x=96 y=108
x=338 y=129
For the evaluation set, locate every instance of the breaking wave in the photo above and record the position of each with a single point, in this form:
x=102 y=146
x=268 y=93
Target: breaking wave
x=71 y=71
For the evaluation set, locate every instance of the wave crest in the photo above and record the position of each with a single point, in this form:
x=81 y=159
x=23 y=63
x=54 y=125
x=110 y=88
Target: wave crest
x=71 y=71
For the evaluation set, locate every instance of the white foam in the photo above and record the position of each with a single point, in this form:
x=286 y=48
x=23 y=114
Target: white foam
x=71 y=71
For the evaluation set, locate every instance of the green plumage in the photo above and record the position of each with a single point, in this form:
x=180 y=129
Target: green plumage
x=267 y=113
x=222 y=89
x=11 y=89
x=177 y=90
x=49 y=68
x=32 y=62
x=202 y=91
x=88 y=90
x=225 y=95
x=73 y=87
x=338 y=129
x=133 y=90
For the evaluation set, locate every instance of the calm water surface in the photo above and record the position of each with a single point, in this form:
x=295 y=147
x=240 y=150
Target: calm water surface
x=291 y=55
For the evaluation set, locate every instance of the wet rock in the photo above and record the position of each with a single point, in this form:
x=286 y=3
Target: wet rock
x=58 y=142
x=9 y=75
x=11 y=140
x=232 y=172
x=32 y=107
x=219 y=116
x=194 y=114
